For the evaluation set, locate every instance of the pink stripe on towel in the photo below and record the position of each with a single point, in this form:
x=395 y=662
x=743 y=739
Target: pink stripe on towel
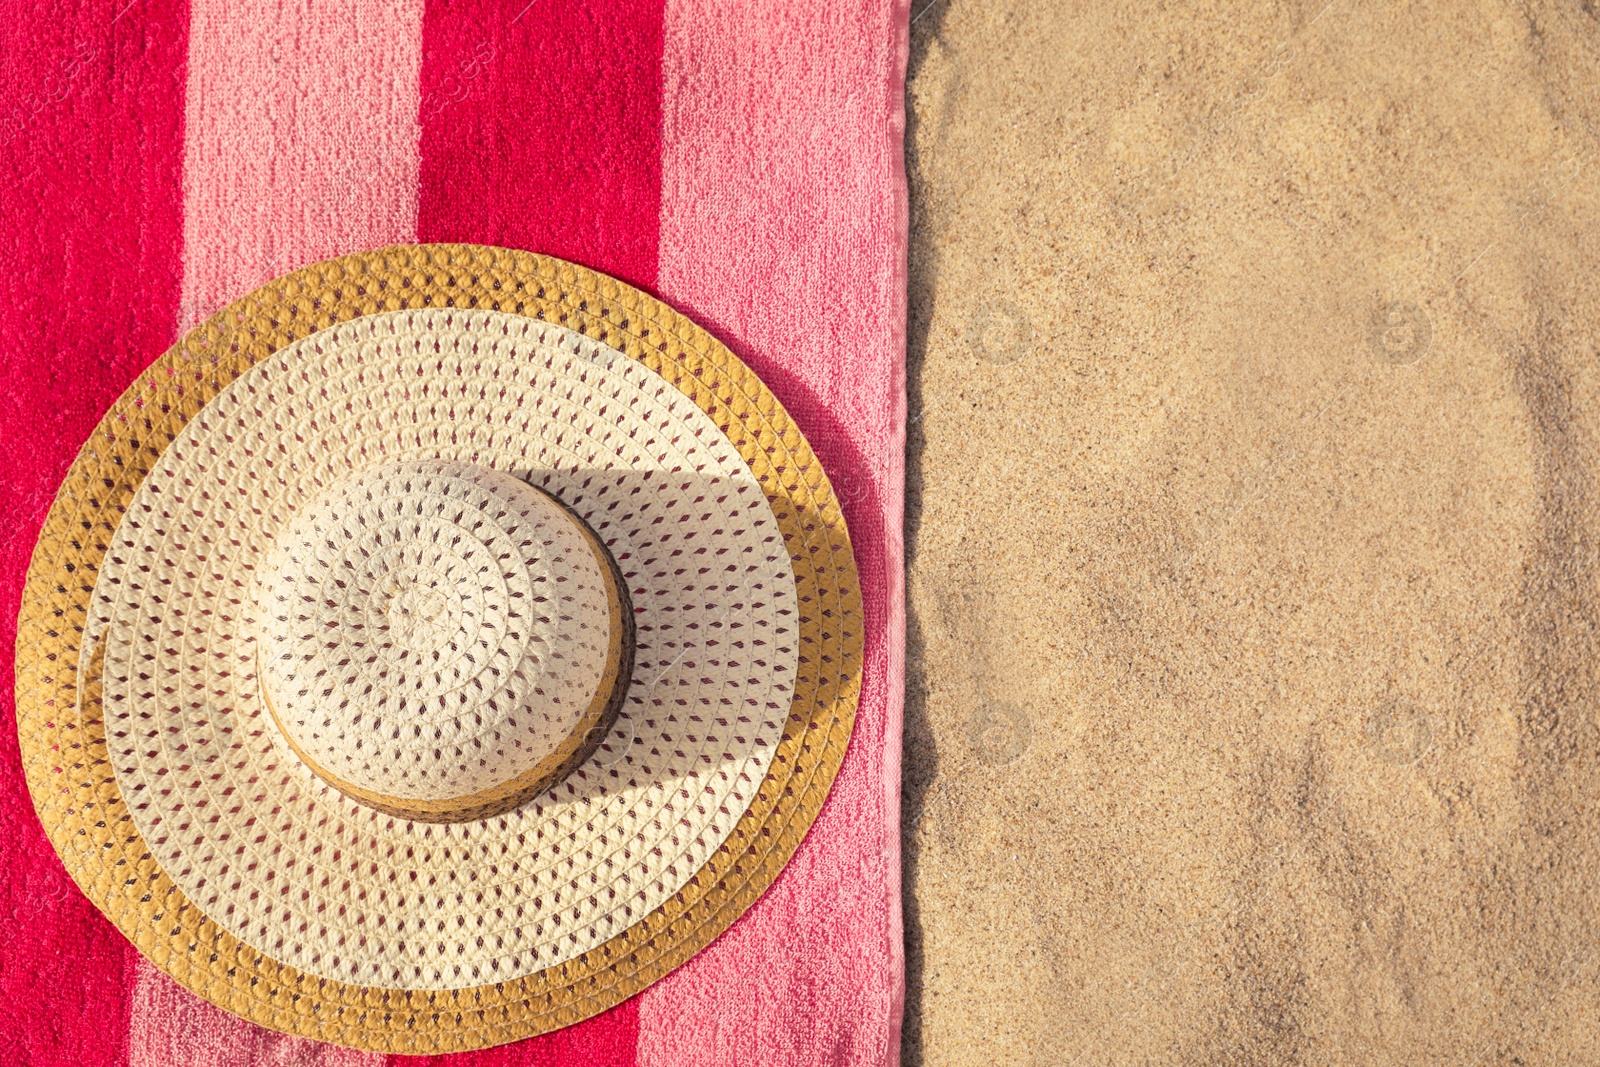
x=301 y=140
x=178 y=1029
x=783 y=232
x=91 y=137
x=301 y=143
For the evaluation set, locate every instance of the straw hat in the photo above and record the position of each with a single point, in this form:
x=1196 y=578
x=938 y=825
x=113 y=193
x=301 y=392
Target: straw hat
x=435 y=648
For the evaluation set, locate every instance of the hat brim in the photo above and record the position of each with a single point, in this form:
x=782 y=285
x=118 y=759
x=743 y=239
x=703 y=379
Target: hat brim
x=62 y=732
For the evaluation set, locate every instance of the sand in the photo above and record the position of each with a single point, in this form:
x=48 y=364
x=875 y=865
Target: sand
x=1254 y=548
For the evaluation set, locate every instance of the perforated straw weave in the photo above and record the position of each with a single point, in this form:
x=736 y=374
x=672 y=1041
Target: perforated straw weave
x=437 y=640
x=350 y=419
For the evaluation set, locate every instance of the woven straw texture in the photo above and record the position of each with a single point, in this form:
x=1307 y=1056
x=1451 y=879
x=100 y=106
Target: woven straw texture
x=72 y=772
x=371 y=899
x=439 y=641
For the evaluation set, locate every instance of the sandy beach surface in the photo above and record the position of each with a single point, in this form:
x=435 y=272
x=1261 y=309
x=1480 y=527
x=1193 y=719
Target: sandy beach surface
x=1254 y=534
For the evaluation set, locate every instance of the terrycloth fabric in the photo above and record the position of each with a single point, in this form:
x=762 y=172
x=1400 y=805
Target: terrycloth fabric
x=744 y=164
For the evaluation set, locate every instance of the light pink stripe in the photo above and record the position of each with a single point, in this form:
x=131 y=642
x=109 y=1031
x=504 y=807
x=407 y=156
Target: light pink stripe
x=783 y=231
x=175 y=1028
x=301 y=139
x=301 y=143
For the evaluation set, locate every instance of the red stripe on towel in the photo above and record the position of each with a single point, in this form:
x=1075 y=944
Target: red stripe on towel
x=607 y=1040
x=541 y=129
x=91 y=230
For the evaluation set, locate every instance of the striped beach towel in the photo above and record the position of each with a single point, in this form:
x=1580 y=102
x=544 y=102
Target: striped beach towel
x=159 y=159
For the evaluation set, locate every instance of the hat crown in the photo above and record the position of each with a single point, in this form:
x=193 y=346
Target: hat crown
x=439 y=640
